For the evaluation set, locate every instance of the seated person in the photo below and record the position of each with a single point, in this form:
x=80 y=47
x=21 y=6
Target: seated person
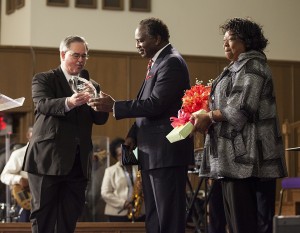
x=12 y=174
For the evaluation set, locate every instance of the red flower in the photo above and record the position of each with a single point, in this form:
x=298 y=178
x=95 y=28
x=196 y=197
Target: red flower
x=2 y=123
x=193 y=100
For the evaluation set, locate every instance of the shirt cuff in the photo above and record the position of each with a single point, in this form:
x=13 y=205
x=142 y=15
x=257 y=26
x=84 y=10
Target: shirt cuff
x=67 y=109
x=114 y=109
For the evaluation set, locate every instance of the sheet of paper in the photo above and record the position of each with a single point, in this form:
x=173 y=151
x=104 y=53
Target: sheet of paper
x=8 y=103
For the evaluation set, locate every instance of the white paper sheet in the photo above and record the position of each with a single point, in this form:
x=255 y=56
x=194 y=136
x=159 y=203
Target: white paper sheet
x=8 y=103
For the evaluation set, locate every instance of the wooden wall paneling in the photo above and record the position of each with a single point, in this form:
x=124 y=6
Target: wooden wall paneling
x=110 y=71
x=296 y=88
x=283 y=83
x=121 y=75
x=202 y=70
x=15 y=72
x=136 y=74
x=44 y=60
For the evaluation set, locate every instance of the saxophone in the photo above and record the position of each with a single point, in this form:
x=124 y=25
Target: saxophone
x=137 y=199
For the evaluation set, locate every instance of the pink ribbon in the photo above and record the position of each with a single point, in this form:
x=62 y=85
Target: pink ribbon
x=182 y=119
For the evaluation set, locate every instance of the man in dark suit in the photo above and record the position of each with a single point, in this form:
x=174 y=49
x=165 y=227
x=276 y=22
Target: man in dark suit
x=163 y=164
x=59 y=152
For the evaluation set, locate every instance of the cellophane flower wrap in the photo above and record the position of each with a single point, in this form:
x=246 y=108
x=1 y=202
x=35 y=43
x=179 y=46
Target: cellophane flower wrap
x=194 y=100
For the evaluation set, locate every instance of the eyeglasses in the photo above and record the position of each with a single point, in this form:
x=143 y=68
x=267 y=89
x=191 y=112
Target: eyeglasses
x=78 y=55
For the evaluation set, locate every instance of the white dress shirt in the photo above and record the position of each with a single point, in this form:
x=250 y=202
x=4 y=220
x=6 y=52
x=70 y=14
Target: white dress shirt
x=12 y=172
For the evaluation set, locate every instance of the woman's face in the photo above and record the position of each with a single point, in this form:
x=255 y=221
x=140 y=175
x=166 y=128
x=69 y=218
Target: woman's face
x=233 y=46
x=119 y=152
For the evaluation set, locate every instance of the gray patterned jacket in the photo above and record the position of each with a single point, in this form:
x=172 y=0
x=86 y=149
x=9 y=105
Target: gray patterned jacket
x=248 y=143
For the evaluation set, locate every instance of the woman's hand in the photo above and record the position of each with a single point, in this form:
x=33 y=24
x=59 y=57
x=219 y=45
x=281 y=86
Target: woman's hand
x=127 y=205
x=201 y=121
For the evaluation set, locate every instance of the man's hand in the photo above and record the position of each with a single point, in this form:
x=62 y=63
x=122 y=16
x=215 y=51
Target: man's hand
x=24 y=182
x=78 y=99
x=103 y=103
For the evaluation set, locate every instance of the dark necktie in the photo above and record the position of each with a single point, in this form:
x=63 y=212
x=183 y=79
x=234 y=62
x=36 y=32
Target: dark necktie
x=148 y=69
x=71 y=83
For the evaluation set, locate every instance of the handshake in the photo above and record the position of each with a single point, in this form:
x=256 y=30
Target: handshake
x=100 y=103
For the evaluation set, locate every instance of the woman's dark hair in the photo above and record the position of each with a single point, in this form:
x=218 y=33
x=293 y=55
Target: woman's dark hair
x=114 y=145
x=156 y=27
x=248 y=31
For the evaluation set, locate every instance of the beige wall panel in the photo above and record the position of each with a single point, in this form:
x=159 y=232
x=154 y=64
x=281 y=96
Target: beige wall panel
x=110 y=71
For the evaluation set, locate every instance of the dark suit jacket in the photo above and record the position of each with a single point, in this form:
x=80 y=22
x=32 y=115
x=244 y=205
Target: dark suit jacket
x=57 y=133
x=159 y=99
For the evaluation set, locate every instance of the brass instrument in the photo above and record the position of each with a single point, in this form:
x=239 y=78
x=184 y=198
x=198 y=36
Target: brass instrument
x=137 y=199
x=22 y=196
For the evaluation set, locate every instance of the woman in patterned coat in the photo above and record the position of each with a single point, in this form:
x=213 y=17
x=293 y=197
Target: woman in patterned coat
x=243 y=146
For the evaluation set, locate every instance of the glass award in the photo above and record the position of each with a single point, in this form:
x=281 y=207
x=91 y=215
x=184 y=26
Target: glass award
x=80 y=85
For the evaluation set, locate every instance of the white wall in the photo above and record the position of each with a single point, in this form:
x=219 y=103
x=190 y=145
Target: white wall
x=193 y=25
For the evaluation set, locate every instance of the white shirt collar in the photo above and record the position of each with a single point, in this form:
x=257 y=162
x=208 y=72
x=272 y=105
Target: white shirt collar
x=157 y=53
x=67 y=75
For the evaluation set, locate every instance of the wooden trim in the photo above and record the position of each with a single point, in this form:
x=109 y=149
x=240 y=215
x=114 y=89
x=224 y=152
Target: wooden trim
x=10 y=7
x=140 y=5
x=20 y=4
x=86 y=4
x=88 y=227
x=64 y=3
x=113 y=5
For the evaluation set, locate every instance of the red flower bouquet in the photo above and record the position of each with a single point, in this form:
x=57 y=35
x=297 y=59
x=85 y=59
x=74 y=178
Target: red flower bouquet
x=194 y=100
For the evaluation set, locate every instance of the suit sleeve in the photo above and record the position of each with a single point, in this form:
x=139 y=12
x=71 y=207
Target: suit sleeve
x=44 y=96
x=171 y=81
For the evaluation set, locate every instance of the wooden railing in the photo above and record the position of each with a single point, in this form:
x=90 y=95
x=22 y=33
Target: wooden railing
x=291 y=136
x=87 y=227
x=291 y=131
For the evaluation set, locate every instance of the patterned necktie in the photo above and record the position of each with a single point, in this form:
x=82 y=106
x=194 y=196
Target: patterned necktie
x=148 y=69
x=71 y=83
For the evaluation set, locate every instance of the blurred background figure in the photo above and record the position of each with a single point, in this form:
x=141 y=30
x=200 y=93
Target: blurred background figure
x=17 y=179
x=119 y=186
x=94 y=205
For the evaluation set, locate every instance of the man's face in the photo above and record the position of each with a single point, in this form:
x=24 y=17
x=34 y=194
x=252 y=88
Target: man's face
x=146 y=45
x=74 y=59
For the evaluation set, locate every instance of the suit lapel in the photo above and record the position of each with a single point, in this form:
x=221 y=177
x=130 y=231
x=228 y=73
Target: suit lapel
x=62 y=80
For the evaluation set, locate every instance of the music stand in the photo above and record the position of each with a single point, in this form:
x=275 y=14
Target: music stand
x=199 y=216
x=9 y=103
x=293 y=149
